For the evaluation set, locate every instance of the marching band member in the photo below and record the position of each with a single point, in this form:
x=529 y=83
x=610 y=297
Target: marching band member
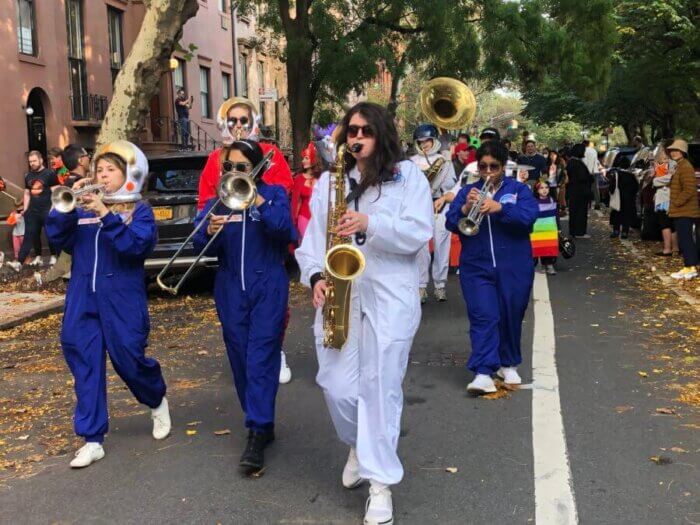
x=496 y=269
x=237 y=120
x=393 y=218
x=441 y=180
x=251 y=293
x=106 y=298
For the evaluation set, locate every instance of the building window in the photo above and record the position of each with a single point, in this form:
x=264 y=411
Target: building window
x=116 y=42
x=76 y=60
x=179 y=75
x=244 y=76
x=226 y=85
x=223 y=6
x=205 y=91
x=26 y=34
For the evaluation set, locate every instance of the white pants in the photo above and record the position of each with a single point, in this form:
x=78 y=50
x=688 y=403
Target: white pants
x=441 y=254
x=362 y=387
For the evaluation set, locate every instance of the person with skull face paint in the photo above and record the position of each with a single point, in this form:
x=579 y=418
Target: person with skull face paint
x=109 y=238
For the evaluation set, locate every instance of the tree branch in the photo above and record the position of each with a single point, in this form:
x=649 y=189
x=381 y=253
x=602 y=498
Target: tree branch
x=393 y=27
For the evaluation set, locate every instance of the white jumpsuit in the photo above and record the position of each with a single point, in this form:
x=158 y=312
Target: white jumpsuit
x=443 y=182
x=362 y=383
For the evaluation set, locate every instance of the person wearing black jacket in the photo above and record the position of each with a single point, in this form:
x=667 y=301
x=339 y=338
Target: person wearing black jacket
x=626 y=183
x=579 y=193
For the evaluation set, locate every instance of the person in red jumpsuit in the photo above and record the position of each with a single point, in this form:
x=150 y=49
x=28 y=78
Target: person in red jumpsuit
x=304 y=182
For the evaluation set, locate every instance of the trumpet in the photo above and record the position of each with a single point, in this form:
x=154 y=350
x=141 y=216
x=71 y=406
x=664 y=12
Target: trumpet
x=237 y=191
x=65 y=199
x=469 y=225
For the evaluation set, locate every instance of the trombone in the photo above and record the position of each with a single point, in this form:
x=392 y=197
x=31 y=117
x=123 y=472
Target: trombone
x=237 y=191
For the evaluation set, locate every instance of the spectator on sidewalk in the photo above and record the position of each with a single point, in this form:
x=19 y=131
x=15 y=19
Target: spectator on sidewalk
x=57 y=165
x=183 y=106
x=77 y=160
x=545 y=232
x=534 y=159
x=623 y=200
x=684 y=208
x=664 y=168
x=555 y=172
x=579 y=193
x=16 y=220
x=38 y=183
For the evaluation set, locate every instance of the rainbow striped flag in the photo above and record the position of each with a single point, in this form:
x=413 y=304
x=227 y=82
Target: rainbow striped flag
x=545 y=233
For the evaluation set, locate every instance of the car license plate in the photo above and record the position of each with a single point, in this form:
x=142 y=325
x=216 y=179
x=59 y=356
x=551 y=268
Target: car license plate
x=163 y=213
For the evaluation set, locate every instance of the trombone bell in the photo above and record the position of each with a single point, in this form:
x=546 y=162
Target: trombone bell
x=237 y=191
x=448 y=103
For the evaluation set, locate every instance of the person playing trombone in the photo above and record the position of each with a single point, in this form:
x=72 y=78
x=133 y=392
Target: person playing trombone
x=496 y=269
x=251 y=292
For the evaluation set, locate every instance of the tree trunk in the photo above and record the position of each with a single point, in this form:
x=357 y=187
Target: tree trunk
x=396 y=79
x=301 y=96
x=140 y=75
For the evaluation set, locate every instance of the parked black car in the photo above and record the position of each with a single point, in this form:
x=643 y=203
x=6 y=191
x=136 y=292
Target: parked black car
x=171 y=191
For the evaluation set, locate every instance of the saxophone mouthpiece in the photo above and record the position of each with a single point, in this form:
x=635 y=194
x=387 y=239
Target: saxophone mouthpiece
x=355 y=148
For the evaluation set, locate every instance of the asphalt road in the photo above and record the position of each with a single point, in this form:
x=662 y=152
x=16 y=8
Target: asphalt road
x=609 y=413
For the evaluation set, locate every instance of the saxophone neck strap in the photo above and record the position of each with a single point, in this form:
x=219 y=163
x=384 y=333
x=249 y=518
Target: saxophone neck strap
x=356 y=192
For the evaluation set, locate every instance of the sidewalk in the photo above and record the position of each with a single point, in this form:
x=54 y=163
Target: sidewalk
x=18 y=307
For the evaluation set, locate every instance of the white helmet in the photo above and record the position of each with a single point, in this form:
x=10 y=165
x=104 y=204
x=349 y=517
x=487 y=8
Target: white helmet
x=222 y=116
x=136 y=170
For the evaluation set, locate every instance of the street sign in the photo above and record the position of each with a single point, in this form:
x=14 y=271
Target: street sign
x=268 y=94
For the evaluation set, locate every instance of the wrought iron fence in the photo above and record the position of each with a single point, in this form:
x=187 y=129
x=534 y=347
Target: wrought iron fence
x=89 y=107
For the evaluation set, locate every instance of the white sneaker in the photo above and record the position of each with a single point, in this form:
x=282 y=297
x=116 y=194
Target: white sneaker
x=440 y=295
x=15 y=265
x=423 y=295
x=87 y=454
x=36 y=262
x=52 y=260
x=161 y=420
x=686 y=273
x=379 y=509
x=351 y=471
x=285 y=371
x=551 y=270
x=510 y=375
x=482 y=384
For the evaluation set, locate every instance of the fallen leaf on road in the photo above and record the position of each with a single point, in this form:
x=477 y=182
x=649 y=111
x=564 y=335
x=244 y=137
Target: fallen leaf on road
x=643 y=374
x=664 y=410
x=222 y=432
x=258 y=473
x=657 y=371
x=35 y=458
x=596 y=325
x=193 y=423
x=190 y=432
x=623 y=408
x=23 y=438
x=661 y=460
x=678 y=449
x=451 y=470
x=202 y=352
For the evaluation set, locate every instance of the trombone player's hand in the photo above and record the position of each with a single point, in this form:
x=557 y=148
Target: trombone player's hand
x=216 y=222
x=319 y=293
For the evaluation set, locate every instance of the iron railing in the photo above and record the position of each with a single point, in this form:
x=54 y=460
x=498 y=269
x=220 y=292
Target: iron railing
x=193 y=137
x=89 y=107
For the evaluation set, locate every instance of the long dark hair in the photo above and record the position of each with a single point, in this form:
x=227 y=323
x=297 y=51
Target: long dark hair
x=387 y=149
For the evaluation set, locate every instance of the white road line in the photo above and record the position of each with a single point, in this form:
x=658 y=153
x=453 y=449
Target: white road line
x=554 y=496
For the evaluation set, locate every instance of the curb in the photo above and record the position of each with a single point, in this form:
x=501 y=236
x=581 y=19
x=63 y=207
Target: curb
x=51 y=307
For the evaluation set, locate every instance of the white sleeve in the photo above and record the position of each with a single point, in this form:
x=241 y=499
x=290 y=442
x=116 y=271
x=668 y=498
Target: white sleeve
x=311 y=254
x=448 y=177
x=408 y=229
x=455 y=189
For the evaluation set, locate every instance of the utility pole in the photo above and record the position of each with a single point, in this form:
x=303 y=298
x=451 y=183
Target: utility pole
x=234 y=49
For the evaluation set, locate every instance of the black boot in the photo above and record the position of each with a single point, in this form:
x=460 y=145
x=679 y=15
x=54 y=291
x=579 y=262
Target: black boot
x=253 y=456
x=615 y=234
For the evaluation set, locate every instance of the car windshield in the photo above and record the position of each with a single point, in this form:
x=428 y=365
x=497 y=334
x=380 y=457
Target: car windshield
x=175 y=175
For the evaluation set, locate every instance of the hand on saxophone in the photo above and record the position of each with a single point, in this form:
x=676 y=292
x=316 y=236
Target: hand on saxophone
x=352 y=222
x=319 y=293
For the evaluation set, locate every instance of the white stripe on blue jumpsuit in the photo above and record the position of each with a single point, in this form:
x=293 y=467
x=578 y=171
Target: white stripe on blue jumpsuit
x=496 y=272
x=106 y=307
x=362 y=383
x=251 y=292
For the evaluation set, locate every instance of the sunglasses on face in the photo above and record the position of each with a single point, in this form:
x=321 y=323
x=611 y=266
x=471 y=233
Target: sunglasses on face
x=233 y=121
x=353 y=131
x=489 y=166
x=241 y=167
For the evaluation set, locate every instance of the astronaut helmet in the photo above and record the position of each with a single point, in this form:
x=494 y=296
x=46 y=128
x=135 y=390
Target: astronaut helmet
x=226 y=128
x=136 y=170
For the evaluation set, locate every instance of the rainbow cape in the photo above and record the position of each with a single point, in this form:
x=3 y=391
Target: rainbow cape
x=545 y=235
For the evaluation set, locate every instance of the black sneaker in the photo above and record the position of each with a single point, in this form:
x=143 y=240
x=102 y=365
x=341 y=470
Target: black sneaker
x=614 y=234
x=253 y=456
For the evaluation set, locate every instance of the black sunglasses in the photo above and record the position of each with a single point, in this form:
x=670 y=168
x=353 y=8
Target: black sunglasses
x=234 y=120
x=241 y=167
x=353 y=130
x=489 y=166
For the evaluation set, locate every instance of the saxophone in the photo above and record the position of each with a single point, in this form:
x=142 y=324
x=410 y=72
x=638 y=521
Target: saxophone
x=343 y=263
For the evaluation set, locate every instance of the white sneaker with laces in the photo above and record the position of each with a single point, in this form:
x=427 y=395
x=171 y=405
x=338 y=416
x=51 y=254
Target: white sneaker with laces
x=686 y=273
x=351 y=471
x=510 y=375
x=161 y=420
x=52 y=260
x=87 y=454
x=440 y=295
x=379 y=509
x=36 y=262
x=423 y=295
x=15 y=265
x=482 y=384
x=285 y=371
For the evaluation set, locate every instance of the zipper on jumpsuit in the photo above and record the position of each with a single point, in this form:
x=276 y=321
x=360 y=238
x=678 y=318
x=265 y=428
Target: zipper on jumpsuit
x=94 y=267
x=493 y=255
x=243 y=253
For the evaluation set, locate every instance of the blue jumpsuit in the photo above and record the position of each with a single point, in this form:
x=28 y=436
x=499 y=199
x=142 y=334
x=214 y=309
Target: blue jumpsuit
x=106 y=309
x=496 y=272
x=251 y=293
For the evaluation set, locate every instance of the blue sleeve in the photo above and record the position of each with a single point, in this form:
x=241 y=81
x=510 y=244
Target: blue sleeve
x=277 y=217
x=523 y=213
x=136 y=239
x=61 y=229
x=201 y=238
x=454 y=212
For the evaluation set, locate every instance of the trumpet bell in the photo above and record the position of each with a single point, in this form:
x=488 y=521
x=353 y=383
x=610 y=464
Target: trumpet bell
x=467 y=227
x=63 y=199
x=345 y=262
x=448 y=103
x=237 y=191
